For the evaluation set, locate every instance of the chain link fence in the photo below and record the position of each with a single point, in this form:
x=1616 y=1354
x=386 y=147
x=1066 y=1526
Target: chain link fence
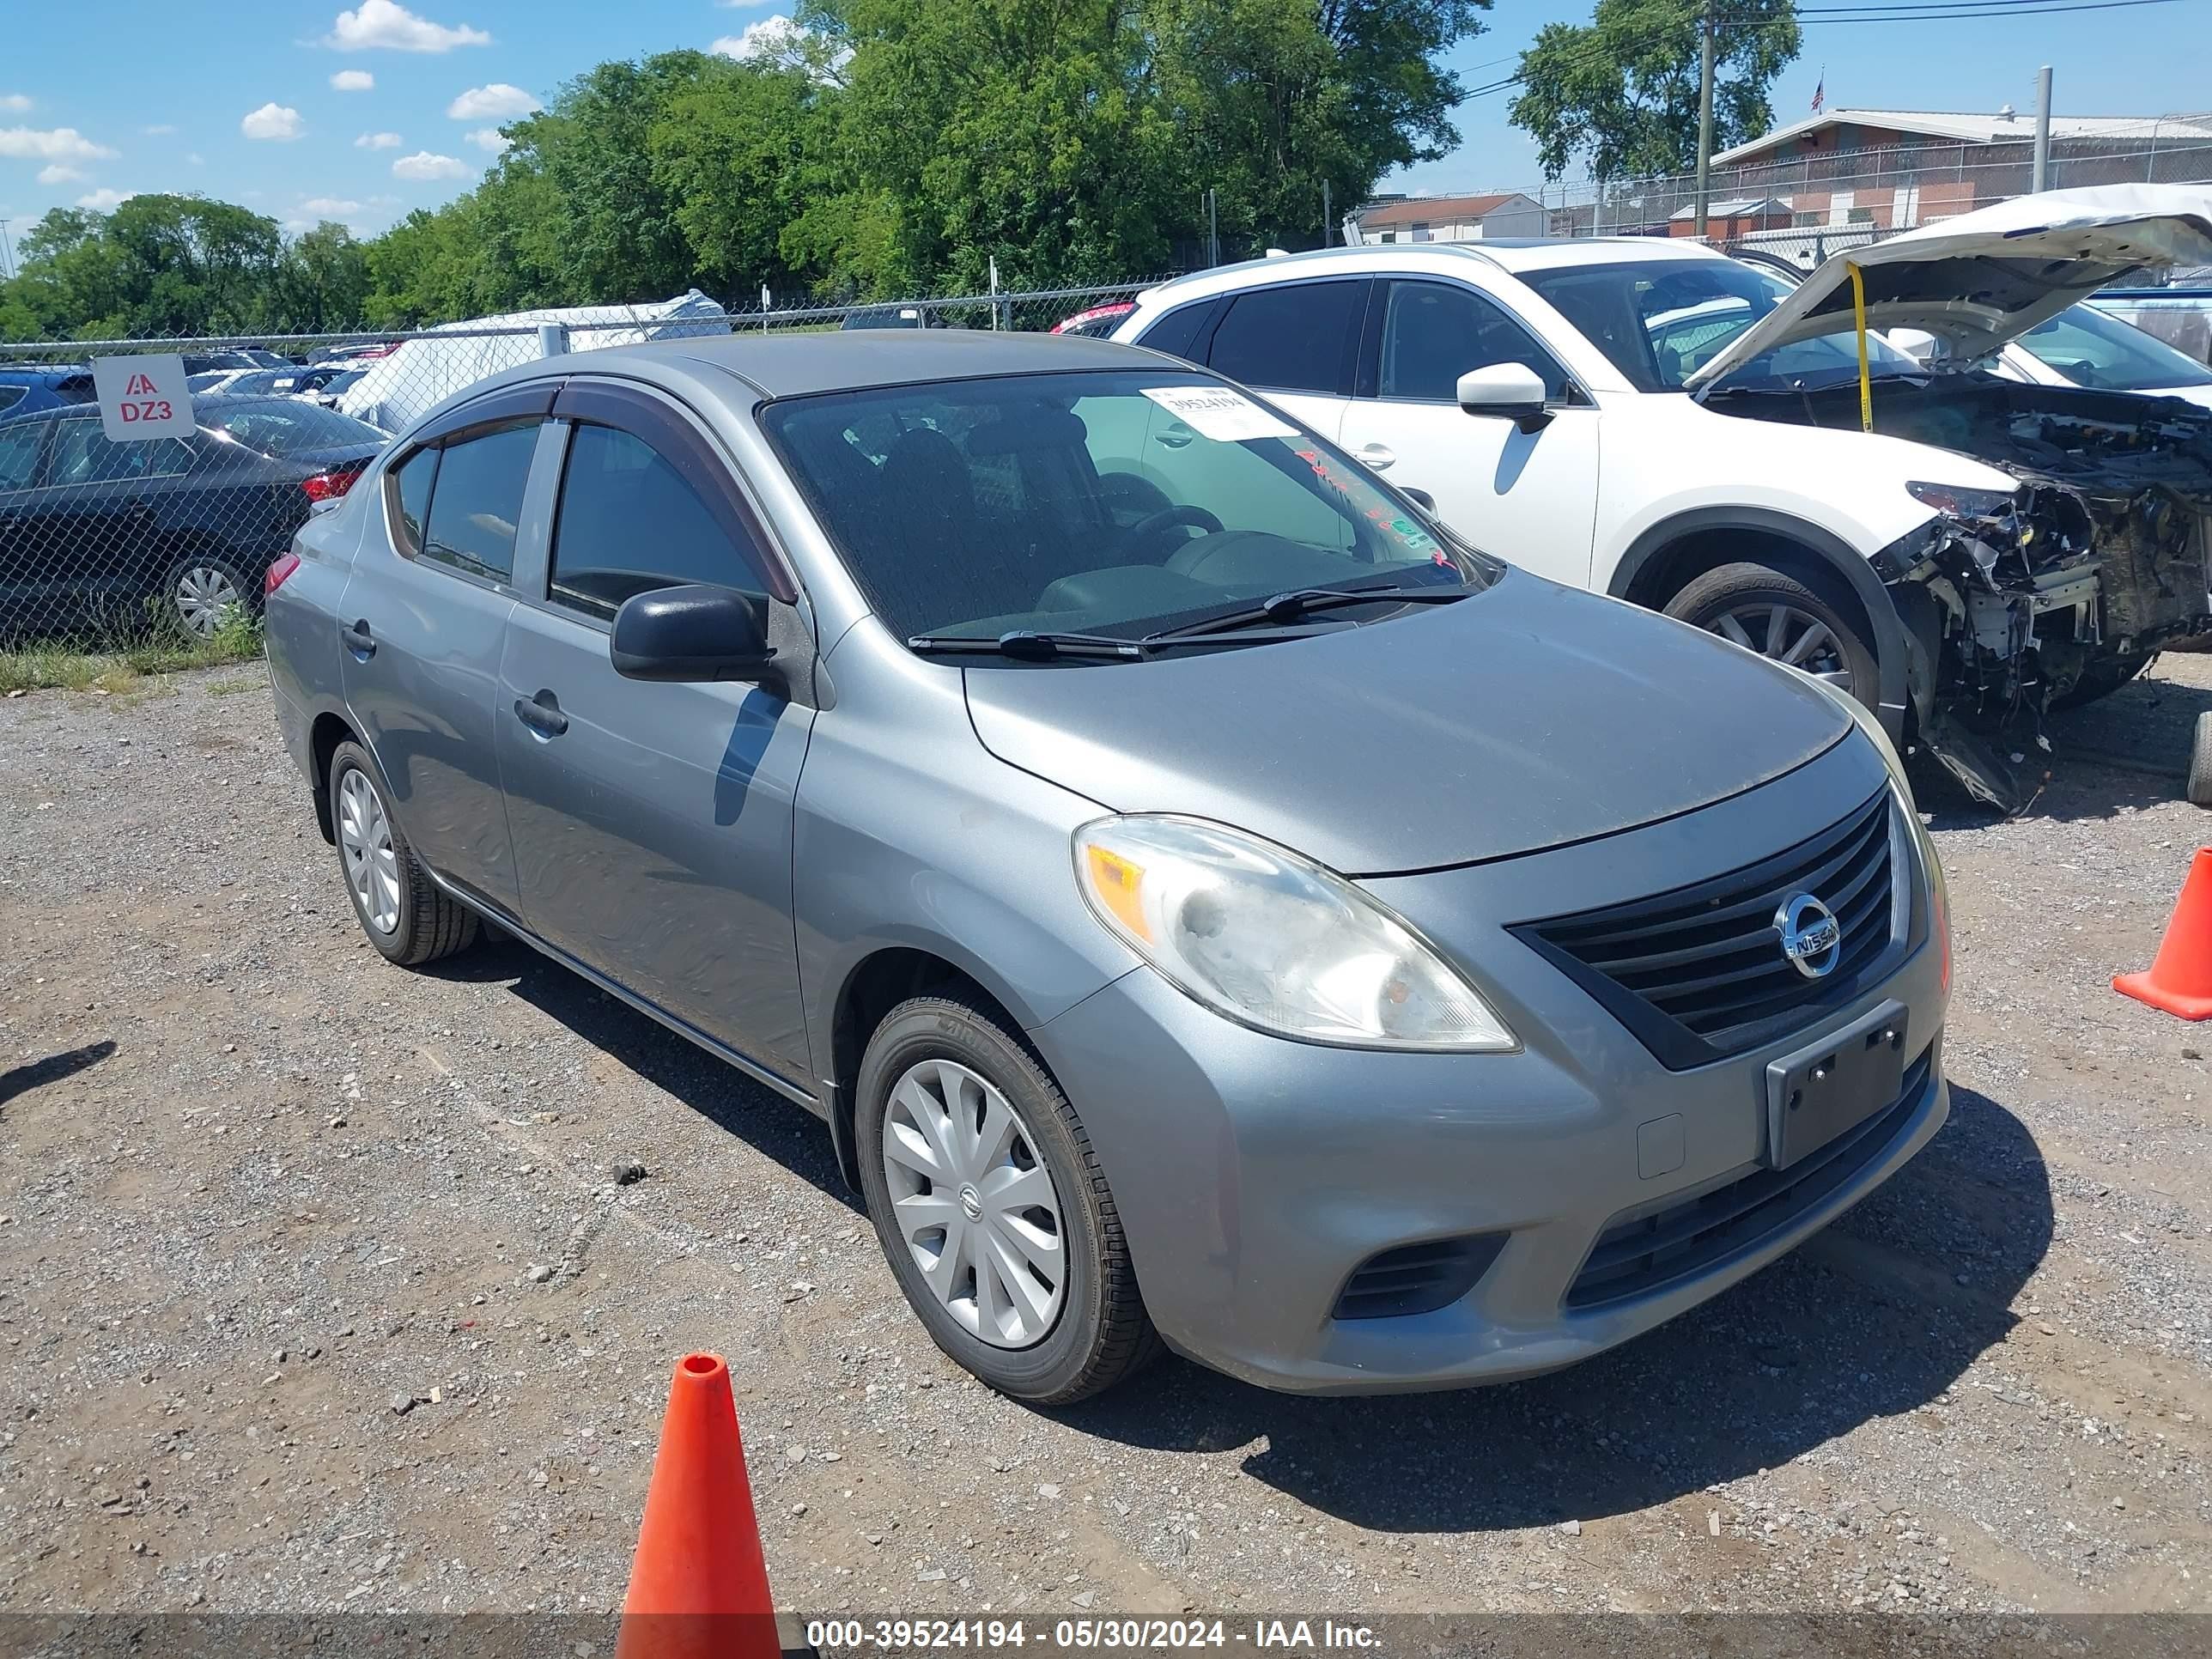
x=108 y=543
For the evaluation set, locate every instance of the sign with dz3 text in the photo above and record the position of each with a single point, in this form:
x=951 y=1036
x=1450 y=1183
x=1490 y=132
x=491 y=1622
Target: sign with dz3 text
x=142 y=398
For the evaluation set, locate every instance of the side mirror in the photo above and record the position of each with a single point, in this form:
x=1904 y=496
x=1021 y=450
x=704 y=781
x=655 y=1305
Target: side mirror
x=695 y=633
x=1511 y=392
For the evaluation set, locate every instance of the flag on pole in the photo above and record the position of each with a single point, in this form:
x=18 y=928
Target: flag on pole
x=1820 y=90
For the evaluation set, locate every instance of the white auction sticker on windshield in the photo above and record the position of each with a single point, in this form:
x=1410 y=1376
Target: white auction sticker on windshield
x=1218 y=413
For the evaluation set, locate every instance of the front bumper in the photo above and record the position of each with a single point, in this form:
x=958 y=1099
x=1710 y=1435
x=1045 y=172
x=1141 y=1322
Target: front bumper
x=1254 y=1176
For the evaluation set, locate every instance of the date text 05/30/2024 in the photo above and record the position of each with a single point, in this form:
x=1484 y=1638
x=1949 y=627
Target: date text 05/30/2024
x=992 y=1635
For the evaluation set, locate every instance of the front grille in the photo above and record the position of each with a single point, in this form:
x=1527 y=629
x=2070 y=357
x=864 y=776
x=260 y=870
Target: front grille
x=1418 y=1278
x=1632 y=1258
x=1697 y=973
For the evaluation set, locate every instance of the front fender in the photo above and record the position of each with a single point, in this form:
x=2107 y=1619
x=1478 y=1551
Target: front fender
x=1889 y=641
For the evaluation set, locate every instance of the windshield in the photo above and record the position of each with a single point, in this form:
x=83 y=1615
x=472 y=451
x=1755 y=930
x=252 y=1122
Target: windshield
x=287 y=426
x=1116 y=502
x=2092 y=350
x=1658 y=321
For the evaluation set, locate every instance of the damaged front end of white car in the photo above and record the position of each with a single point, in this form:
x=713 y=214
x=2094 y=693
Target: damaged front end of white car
x=2060 y=589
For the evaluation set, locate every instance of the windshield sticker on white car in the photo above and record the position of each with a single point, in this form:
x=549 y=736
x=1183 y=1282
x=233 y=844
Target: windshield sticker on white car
x=1218 y=413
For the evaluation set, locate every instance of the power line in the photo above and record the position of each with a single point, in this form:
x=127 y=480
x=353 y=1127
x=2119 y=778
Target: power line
x=1816 y=19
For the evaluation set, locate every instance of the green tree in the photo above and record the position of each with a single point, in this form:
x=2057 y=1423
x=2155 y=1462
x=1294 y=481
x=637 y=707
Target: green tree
x=741 y=151
x=1621 y=92
x=1271 y=99
x=325 y=280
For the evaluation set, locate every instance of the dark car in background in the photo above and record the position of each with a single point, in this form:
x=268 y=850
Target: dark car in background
x=172 y=530
x=26 y=388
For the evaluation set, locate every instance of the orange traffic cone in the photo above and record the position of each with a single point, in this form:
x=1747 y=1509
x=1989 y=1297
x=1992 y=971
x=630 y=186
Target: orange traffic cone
x=698 y=1587
x=2180 y=977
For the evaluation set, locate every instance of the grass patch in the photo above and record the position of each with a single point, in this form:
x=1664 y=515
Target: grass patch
x=76 y=665
x=231 y=687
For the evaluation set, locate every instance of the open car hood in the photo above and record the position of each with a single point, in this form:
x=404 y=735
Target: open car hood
x=1978 y=281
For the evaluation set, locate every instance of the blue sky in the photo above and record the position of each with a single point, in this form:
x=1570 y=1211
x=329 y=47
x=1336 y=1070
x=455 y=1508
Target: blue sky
x=239 y=101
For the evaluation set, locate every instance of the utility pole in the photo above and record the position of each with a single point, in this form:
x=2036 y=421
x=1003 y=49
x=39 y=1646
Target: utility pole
x=7 y=253
x=1327 y=229
x=2041 y=180
x=1704 y=116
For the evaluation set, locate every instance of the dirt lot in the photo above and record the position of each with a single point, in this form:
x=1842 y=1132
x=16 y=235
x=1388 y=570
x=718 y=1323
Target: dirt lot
x=318 y=1291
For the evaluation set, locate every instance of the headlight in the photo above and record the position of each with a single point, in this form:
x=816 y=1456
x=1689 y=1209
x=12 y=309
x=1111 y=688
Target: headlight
x=1274 y=941
x=1958 y=503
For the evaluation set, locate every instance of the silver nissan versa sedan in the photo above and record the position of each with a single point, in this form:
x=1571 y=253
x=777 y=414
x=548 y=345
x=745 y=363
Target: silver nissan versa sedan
x=1207 y=904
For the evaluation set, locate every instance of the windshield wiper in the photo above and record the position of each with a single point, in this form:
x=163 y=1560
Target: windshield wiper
x=1029 y=646
x=1306 y=602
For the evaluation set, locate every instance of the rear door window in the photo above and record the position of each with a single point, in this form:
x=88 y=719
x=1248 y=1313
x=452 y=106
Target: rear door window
x=1292 y=337
x=19 y=452
x=629 y=523
x=83 y=454
x=410 y=496
x=476 y=502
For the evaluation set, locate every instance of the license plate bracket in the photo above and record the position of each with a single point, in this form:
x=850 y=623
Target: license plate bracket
x=1820 y=1091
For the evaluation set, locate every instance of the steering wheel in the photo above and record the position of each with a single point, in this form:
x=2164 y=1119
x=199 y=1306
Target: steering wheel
x=1152 y=524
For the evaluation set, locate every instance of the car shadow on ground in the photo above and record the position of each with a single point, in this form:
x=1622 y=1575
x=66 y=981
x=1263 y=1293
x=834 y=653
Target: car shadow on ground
x=1875 y=1317
x=53 y=1068
x=725 y=1096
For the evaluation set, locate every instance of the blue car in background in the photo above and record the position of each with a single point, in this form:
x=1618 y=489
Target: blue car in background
x=26 y=388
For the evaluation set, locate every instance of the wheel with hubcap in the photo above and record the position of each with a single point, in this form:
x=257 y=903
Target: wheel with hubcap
x=204 y=591
x=1792 y=618
x=407 y=916
x=991 y=1208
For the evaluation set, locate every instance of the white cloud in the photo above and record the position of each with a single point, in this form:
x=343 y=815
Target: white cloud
x=378 y=141
x=279 y=122
x=496 y=102
x=196 y=160
x=101 y=200
x=55 y=173
x=389 y=25
x=768 y=35
x=329 y=207
x=14 y=102
x=491 y=139
x=161 y=132
x=353 y=81
x=423 y=165
x=51 y=145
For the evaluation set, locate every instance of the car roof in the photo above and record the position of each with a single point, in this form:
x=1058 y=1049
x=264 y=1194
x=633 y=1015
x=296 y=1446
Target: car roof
x=1508 y=253
x=795 y=365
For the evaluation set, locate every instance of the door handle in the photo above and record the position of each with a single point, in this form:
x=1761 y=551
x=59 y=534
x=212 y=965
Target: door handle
x=1375 y=457
x=359 y=640
x=542 y=714
x=1177 y=436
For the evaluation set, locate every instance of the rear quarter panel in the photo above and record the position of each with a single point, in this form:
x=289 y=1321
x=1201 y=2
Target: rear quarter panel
x=301 y=621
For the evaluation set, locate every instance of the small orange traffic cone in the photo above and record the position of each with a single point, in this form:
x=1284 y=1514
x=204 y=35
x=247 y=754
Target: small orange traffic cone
x=2180 y=977
x=698 y=1587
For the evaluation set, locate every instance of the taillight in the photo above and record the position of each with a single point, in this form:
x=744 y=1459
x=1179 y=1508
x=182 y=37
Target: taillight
x=285 y=565
x=329 y=486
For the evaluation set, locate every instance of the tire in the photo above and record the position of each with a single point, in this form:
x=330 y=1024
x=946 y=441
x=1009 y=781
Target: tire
x=406 y=915
x=2200 y=763
x=2102 y=679
x=200 y=586
x=926 y=1055
x=1739 y=601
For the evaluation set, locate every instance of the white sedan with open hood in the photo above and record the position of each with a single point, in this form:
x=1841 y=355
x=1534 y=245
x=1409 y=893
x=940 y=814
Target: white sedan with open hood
x=1657 y=420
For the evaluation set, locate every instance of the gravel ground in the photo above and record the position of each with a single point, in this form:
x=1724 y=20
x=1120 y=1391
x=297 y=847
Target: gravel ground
x=321 y=1287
